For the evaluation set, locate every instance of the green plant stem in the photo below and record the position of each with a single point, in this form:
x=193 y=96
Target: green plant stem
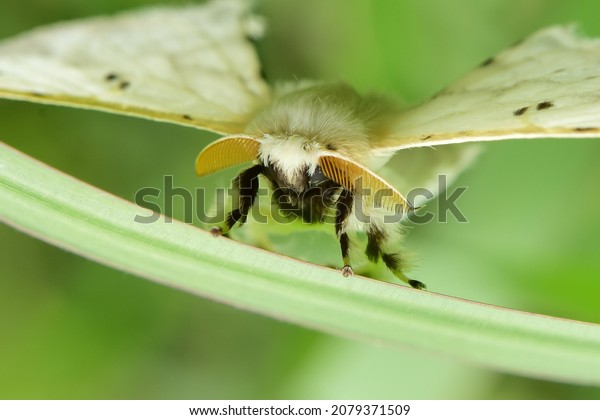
x=66 y=212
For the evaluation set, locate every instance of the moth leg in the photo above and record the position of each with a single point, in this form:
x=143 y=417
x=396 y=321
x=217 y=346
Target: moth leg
x=246 y=184
x=345 y=245
x=216 y=231
x=394 y=262
x=377 y=239
x=343 y=209
x=416 y=284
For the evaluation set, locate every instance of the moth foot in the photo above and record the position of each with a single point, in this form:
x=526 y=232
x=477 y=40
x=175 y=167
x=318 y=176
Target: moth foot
x=347 y=271
x=216 y=231
x=416 y=284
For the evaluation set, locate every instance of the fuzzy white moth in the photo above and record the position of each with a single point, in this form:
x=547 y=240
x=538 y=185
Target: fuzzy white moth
x=324 y=150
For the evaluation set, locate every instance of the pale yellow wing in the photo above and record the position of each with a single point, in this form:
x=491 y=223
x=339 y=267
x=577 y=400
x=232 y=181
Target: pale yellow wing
x=422 y=173
x=546 y=86
x=225 y=153
x=190 y=65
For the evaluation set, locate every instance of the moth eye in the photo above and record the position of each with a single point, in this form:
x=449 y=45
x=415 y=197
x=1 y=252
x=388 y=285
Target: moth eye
x=317 y=178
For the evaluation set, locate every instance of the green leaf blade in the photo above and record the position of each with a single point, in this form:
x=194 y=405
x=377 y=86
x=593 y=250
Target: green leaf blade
x=68 y=213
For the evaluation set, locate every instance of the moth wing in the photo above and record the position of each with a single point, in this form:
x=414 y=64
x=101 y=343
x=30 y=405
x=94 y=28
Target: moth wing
x=546 y=86
x=191 y=65
x=417 y=172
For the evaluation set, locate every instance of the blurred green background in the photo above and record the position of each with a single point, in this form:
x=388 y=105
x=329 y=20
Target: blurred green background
x=70 y=328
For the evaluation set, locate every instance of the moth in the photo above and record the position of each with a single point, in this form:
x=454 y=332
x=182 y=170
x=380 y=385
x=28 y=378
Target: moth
x=324 y=150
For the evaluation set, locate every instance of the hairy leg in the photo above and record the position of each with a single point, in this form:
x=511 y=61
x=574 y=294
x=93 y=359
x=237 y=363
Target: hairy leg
x=380 y=244
x=246 y=184
x=343 y=210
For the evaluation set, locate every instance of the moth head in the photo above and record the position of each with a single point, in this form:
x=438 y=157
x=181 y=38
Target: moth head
x=288 y=153
x=293 y=160
x=287 y=158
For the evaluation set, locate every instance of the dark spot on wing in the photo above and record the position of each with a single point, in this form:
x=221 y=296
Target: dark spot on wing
x=38 y=94
x=110 y=77
x=544 y=105
x=521 y=111
x=187 y=117
x=427 y=137
x=559 y=70
x=330 y=146
x=487 y=62
x=117 y=79
x=586 y=128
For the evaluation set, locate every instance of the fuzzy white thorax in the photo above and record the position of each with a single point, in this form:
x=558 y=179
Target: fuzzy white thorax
x=307 y=119
x=290 y=155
